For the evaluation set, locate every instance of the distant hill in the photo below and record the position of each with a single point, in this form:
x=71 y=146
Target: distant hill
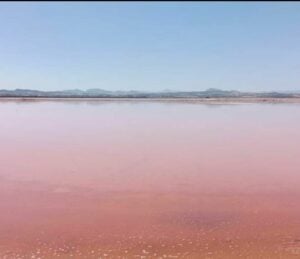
x=100 y=93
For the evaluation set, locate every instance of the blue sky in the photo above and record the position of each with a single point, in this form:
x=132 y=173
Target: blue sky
x=150 y=46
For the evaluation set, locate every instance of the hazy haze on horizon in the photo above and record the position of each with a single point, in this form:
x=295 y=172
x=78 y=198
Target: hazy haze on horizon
x=150 y=46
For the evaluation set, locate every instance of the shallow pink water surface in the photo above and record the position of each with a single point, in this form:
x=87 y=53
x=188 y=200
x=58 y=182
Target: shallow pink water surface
x=97 y=179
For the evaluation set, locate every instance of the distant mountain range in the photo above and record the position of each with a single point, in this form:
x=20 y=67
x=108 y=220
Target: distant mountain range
x=100 y=93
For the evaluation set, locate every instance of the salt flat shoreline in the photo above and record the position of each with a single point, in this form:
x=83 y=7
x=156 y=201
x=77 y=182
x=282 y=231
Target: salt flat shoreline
x=189 y=100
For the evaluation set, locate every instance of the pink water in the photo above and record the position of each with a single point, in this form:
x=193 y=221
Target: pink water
x=96 y=179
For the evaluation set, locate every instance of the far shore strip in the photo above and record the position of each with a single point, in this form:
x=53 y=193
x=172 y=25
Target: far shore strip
x=194 y=100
